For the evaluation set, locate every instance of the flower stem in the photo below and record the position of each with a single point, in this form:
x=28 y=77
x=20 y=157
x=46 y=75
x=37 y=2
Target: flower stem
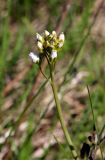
x=58 y=106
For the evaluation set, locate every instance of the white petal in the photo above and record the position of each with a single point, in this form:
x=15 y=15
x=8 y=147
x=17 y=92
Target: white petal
x=34 y=57
x=54 y=54
x=62 y=37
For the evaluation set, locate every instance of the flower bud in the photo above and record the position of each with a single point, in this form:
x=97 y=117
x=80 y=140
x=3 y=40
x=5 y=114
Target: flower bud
x=34 y=57
x=46 y=33
x=54 y=33
x=61 y=37
x=53 y=54
x=40 y=46
x=39 y=37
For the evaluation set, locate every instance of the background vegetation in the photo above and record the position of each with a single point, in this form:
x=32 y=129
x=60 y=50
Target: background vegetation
x=81 y=62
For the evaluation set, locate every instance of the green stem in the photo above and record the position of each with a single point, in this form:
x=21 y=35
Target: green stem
x=58 y=106
x=94 y=120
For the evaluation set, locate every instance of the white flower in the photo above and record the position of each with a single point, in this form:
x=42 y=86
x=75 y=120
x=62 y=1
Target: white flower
x=62 y=37
x=40 y=45
x=34 y=57
x=39 y=37
x=46 y=33
x=53 y=54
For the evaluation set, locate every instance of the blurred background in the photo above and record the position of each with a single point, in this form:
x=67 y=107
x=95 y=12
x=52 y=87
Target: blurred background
x=26 y=100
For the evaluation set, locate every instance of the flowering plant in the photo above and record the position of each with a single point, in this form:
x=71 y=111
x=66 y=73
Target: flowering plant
x=48 y=46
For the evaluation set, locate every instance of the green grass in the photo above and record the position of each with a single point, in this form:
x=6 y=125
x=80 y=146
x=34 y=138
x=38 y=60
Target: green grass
x=19 y=23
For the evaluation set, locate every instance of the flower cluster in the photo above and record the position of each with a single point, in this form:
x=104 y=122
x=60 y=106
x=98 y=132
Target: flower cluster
x=48 y=45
